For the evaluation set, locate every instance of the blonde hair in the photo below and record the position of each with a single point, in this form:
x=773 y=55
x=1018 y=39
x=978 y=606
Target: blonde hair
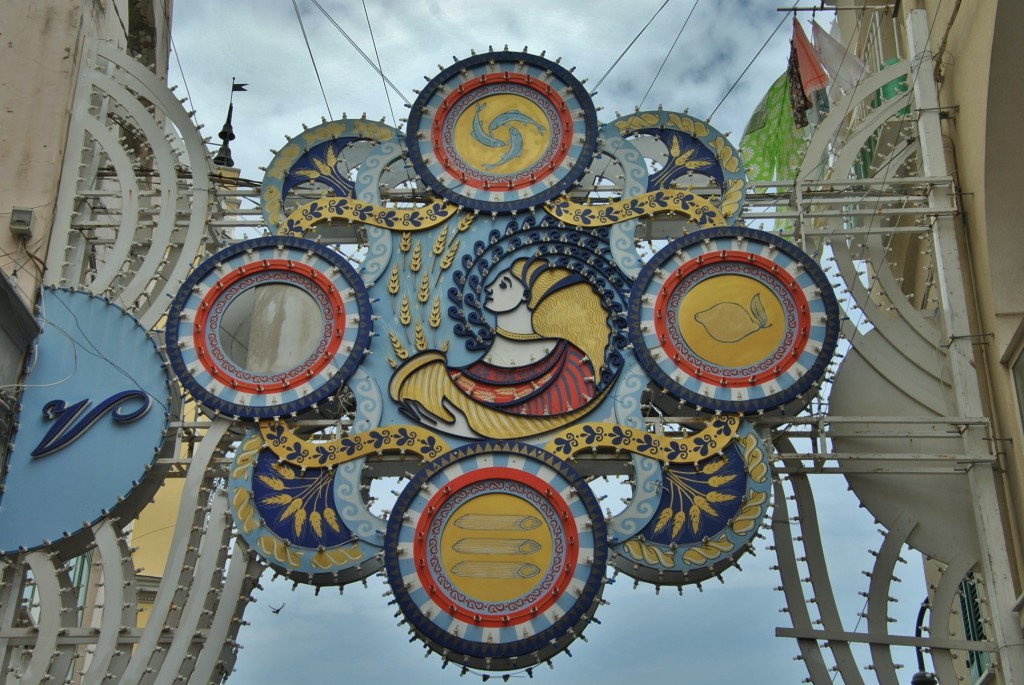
x=572 y=312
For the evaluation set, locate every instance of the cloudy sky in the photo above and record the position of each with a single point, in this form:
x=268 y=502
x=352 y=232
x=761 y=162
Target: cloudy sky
x=722 y=634
x=260 y=43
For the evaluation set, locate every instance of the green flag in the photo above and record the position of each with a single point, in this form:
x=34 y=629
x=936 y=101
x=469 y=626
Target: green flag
x=772 y=147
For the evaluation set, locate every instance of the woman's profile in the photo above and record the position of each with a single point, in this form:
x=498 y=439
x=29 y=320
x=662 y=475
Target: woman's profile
x=541 y=372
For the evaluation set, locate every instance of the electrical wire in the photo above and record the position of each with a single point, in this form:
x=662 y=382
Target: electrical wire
x=360 y=51
x=312 y=59
x=177 y=59
x=623 y=54
x=668 y=54
x=746 y=68
x=380 y=70
x=124 y=29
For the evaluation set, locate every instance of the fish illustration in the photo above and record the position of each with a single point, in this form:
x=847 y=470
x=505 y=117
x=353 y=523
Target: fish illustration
x=481 y=135
x=506 y=118
x=730 y=322
x=515 y=139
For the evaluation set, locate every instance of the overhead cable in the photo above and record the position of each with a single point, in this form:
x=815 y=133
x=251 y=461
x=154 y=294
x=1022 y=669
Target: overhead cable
x=380 y=69
x=177 y=58
x=635 y=38
x=312 y=59
x=360 y=51
x=669 y=53
x=749 y=64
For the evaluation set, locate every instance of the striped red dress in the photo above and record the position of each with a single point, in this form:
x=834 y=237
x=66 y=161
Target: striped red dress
x=560 y=382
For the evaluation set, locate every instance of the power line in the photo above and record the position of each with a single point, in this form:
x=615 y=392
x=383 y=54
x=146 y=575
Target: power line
x=311 y=58
x=746 y=68
x=686 y=21
x=380 y=70
x=360 y=51
x=669 y=53
x=635 y=39
x=177 y=59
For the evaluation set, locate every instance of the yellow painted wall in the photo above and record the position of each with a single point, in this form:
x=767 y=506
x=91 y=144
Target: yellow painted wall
x=153 y=530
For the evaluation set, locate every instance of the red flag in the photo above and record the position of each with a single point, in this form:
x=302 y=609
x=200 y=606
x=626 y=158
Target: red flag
x=812 y=74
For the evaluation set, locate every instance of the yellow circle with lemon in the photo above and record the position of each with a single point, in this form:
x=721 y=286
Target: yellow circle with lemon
x=496 y=547
x=502 y=134
x=732 y=321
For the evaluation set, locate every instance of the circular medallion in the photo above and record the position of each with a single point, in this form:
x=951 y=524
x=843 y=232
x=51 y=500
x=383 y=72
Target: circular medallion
x=706 y=516
x=294 y=517
x=268 y=327
x=322 y=159
x=683 y=147
x=734 y=320
x=563 y=367
x=502 y=131
x=496 y=552
x=96 y=379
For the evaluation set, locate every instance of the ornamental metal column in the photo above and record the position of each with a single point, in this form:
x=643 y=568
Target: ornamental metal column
x=994 y=559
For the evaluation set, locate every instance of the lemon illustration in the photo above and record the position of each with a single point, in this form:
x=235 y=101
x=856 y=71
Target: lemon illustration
x=730 y=322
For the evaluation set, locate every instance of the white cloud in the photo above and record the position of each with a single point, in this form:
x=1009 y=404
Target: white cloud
x=260 y=43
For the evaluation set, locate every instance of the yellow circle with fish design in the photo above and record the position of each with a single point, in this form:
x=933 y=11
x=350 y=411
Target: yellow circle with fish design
x=502 y=134
x=496 y=547
x=732 y=321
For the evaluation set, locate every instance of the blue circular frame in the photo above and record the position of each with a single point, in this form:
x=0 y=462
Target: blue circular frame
x=344 y=557
x=791 y=398
x=496 y=655
x=421 y=119
x=302 y=252
x=751 y=478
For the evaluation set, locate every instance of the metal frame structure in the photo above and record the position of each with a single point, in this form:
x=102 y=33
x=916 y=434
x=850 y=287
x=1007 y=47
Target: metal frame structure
x=141 y=205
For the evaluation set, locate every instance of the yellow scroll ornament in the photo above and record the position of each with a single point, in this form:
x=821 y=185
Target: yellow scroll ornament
x=697 y=209
x=414 y=441
x=305 y=218
x=419 y=442
x=594 y=437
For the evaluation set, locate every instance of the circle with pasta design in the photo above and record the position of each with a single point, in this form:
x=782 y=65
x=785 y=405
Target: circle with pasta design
x=496 y=552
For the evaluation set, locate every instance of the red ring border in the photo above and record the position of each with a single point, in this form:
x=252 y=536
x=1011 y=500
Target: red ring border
x=803 y=312
x=464 y=89
x=314 y=275
x=448 y=490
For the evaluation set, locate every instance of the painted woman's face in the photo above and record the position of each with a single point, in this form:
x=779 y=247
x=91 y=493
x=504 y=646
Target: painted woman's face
x=505 y=293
